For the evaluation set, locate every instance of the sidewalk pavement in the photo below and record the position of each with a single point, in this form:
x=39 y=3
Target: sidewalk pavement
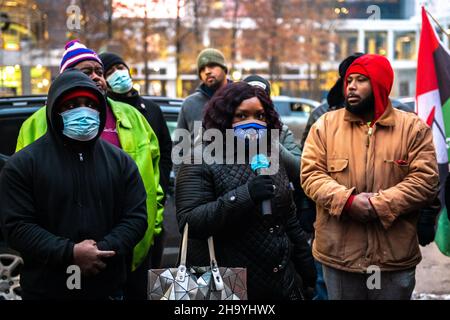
x=432 y=275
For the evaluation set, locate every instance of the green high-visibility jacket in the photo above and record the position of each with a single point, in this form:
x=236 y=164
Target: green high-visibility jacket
x=137 y=139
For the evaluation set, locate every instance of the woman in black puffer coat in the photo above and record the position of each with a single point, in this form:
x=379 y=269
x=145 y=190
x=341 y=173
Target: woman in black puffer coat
x=224 y=201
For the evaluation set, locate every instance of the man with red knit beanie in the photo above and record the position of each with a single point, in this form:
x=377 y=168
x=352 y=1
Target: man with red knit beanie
x=370 y=169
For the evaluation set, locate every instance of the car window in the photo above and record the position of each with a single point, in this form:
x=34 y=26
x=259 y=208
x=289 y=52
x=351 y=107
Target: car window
x=301 y=107
x=282 y=107
x=9 y=131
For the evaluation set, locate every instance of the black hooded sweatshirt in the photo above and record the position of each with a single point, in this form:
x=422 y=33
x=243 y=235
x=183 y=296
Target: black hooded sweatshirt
x=57 y=192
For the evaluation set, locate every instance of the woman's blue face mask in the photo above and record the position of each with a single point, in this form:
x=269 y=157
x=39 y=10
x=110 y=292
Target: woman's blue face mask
x=250 y=129
x=81 y=123
x=120 y=81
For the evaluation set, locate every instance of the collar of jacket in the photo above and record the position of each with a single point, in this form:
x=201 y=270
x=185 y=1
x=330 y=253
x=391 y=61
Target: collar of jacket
x=132 y=97
x=387 y=119
x=208 y=92
x=203 y=89
x=121 y=118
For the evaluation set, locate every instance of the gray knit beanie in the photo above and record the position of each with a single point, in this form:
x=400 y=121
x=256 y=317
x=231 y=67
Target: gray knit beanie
x=210 y=56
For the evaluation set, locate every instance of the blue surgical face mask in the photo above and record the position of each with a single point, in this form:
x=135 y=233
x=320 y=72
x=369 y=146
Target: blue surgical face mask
x=81 y=123
x=250 y=129
x=120 y=81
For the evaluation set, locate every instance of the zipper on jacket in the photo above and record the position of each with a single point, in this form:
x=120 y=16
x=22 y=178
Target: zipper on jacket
x=82 y=198
x=369 y=134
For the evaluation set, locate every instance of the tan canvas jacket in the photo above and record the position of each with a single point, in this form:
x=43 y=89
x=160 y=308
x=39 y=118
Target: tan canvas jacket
x=396 y=160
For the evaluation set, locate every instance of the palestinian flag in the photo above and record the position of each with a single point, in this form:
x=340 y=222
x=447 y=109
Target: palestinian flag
x=433 y=106
x=433 y=87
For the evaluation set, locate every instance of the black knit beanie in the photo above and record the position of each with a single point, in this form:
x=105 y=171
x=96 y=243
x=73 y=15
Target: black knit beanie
x=258 y=81
x=110 y=59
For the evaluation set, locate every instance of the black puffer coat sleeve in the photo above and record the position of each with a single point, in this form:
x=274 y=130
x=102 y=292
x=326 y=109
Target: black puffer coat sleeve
x=133 y=224
x=18 y=217
x=301 y=253
x=198 y=205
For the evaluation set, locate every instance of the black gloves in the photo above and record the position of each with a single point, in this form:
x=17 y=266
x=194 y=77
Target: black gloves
x=306 y=210
x=427 y=221
x=308 y=216
x=261 y=188
x=425 y=229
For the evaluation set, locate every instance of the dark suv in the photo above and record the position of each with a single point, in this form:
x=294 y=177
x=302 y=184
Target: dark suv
x=13 y=112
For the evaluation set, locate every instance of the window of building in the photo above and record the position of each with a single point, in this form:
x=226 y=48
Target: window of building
x=405 y=45
x=404 y=89
x=189 y=87
x=155 y=87
x=40 y=80
x=157 y=71
x=15 y=37
x=249 y=71
x=10 y=81
x=364 y=9
x=158 y=88
x=376 y=42
x=347 y=44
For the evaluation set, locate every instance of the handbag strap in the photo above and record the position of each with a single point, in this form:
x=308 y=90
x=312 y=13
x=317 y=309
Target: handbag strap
x=214 y=267
x=181 y=273
x=184 y=244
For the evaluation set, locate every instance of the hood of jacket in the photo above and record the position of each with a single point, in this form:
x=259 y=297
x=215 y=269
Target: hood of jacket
x=66 y=82
x=379 y=71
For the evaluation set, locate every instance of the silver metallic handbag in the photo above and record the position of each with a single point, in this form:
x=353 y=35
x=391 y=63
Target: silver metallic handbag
x=197 y=283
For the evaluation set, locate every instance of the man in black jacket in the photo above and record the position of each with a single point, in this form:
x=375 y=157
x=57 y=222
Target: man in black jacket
x=73 y=205
x=120 y=88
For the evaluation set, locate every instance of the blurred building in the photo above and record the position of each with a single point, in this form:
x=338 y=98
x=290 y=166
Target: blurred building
x=395 y=33
x=25 y=60
x=361 y=9
x=29 y=57
x=32 y=40
x=387 y=27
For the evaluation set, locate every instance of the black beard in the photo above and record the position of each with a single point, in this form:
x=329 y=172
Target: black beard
x=215 y=86
x=364 y=107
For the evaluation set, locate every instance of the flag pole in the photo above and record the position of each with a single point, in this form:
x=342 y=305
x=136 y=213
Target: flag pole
x=437 y=23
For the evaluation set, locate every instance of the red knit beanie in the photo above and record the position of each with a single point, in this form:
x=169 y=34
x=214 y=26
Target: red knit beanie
x=79 y=93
